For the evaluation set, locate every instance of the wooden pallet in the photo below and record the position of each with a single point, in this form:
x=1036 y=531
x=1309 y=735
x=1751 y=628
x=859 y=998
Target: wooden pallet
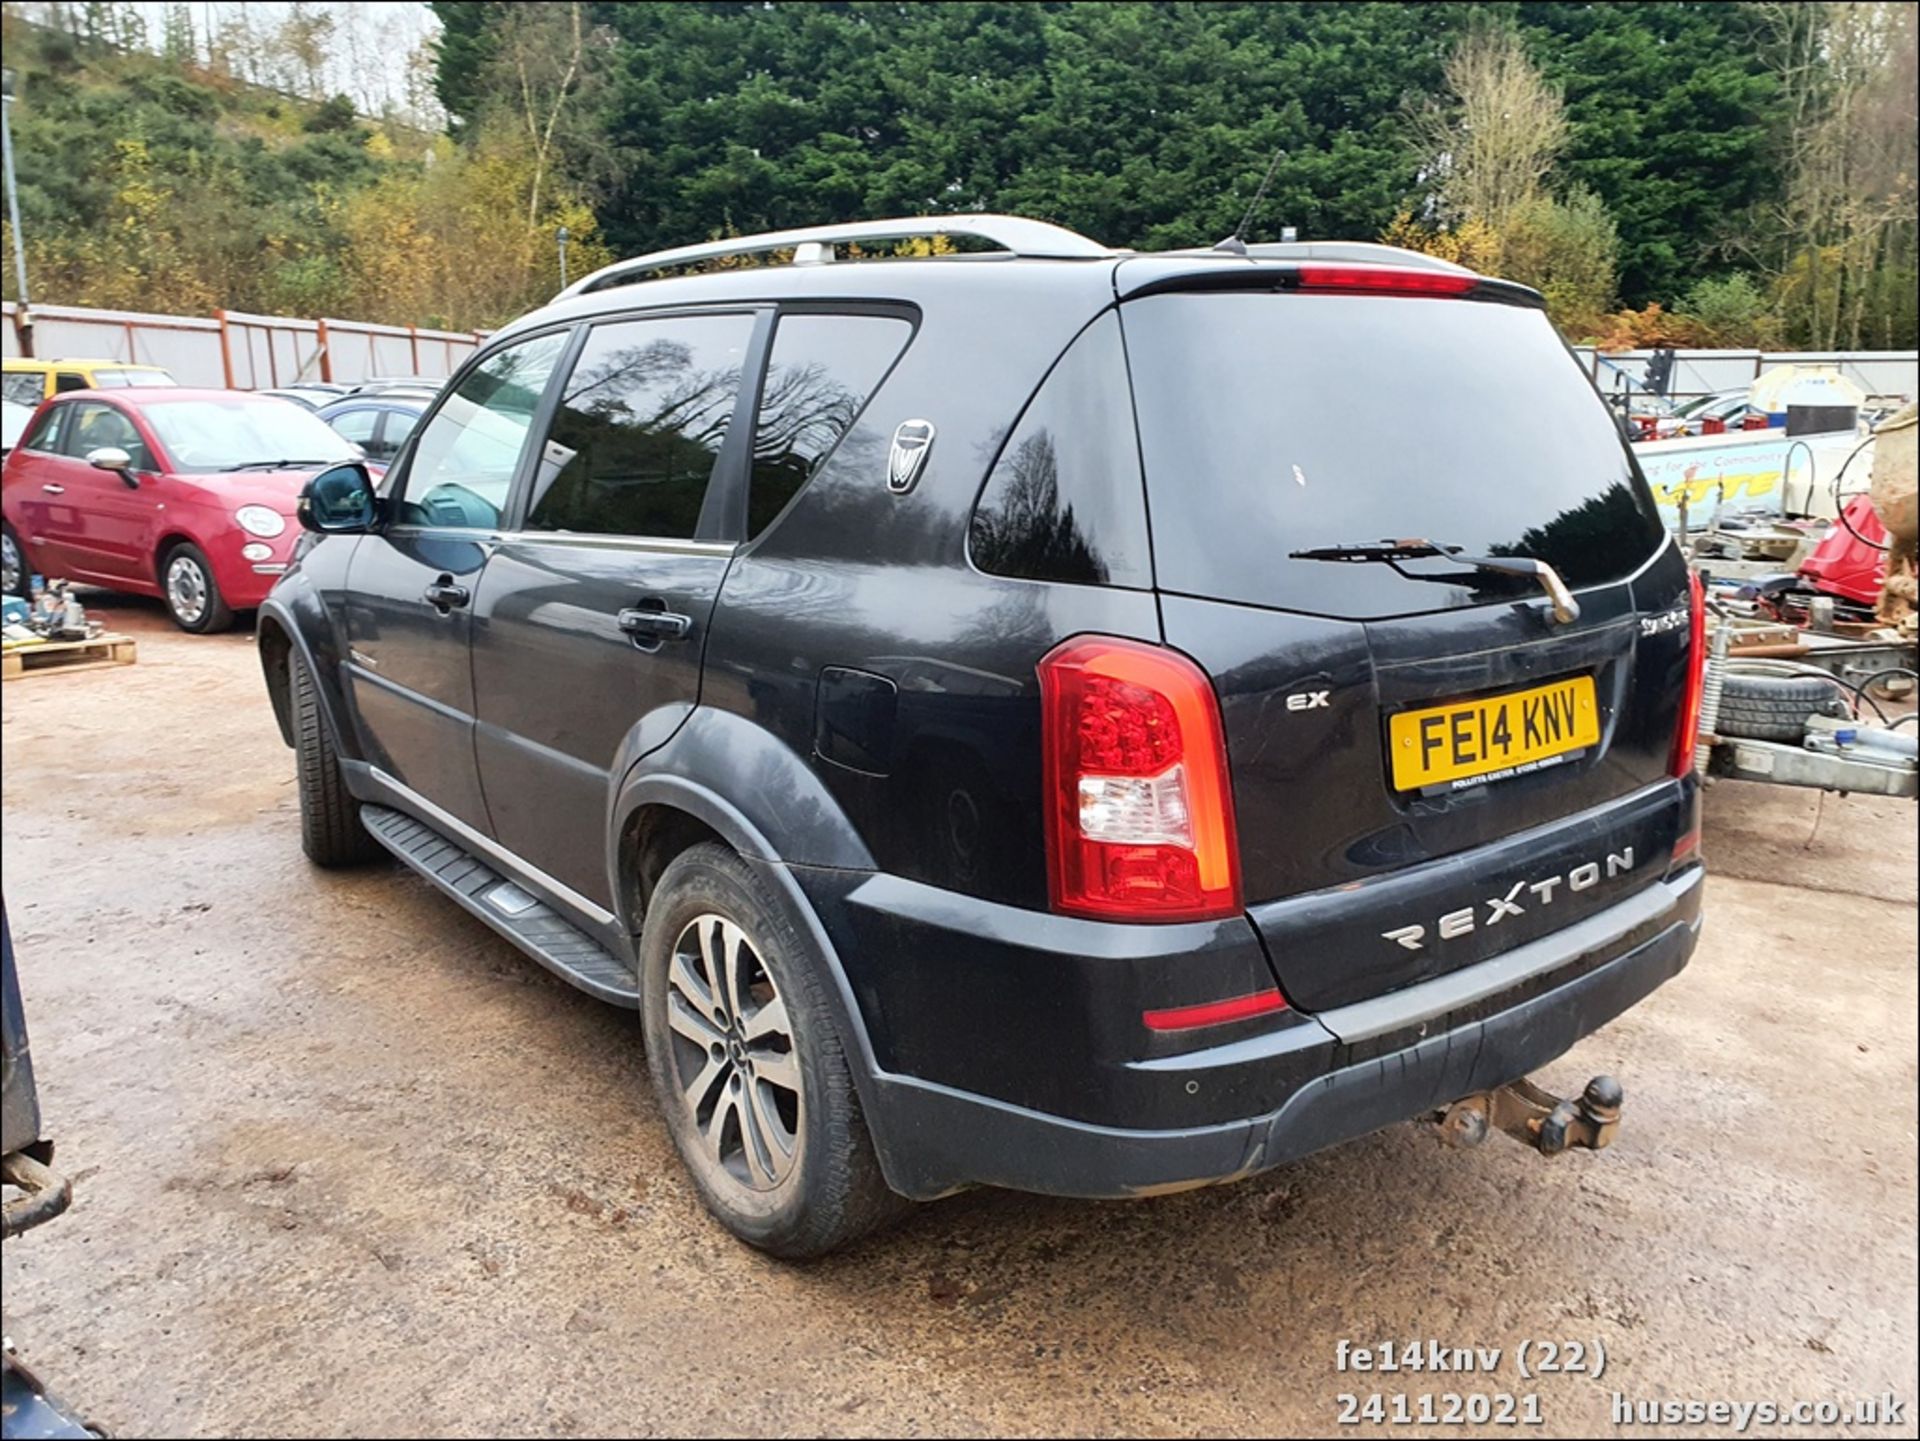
x=67 y=655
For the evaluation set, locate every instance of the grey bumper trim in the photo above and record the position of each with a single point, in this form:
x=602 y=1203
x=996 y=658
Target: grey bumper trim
x=1398 y=1010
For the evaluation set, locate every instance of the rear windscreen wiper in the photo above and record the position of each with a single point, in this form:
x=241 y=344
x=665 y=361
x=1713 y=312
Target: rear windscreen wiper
x=1390 y=553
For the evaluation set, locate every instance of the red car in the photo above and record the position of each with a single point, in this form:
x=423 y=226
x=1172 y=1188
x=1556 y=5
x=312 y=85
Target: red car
x=184 y=494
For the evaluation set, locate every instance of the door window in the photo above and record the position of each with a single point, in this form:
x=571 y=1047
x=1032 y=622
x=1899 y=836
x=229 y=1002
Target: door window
x=357 y=426
x=25 y=387
x=45 y=436
x=93 y=425
x=823 y=369
x=69 y=380
x=639 y=426
x=464 y=464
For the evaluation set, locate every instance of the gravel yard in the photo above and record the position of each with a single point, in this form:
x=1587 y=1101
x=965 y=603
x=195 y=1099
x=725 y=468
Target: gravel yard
x=347 y=1163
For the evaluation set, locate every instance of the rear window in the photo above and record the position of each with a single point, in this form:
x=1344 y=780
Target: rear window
x=1278 y=423
x=104 y=379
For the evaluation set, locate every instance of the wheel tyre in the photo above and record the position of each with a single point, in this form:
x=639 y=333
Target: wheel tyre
x=1776 y=708
x=330 y=829
x=17 y=568
x=193 y=600
x=832 y=1191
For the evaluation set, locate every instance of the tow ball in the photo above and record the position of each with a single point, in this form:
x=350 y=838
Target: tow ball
x=1536 y=1117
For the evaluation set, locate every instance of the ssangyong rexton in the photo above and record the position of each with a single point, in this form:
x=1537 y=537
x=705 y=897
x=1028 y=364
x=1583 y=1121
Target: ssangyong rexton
x=1064 y=719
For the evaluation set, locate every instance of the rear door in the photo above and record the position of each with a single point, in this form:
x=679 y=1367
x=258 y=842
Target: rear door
x=1409 y=739
x=593 y=613
x=411 y=586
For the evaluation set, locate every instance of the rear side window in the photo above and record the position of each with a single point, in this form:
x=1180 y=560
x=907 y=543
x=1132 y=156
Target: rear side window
x=822 y=372
x=66 y=380
x=1064 y=500
x=1273 y=424
x=639 y=427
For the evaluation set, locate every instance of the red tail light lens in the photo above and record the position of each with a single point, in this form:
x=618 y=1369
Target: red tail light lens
x=1384 y=279
x=1139 y=813
x=1687 y=732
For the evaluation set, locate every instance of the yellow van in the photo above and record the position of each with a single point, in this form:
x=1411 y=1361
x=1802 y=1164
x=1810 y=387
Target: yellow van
x=28 y=382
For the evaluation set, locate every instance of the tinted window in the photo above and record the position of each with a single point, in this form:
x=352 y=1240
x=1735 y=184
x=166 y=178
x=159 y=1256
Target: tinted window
x=1064 y=501
x=639 y=425
x=464 y=464
x=93 y=425
x=355 y=425
x=822 y=370
x=1279 y=423
x=69 y=380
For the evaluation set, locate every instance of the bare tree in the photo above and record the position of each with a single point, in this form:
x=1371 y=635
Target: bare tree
x=1489 y=151
x=1847 y=74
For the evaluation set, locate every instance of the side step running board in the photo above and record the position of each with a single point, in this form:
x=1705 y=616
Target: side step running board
x=530 y=924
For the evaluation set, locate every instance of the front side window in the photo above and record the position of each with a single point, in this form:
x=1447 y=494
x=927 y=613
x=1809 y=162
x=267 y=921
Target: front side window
x=819 y=377
x=357 y=426
x=639 y=427
x=464 y=464
x=45 y=436
x=93 y=426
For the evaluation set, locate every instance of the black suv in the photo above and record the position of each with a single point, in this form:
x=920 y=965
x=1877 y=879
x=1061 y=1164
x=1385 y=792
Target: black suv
x=968 y=706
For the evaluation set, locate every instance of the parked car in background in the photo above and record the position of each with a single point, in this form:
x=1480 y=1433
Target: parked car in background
x=377 y=421
x=431 y=384
x=785 y=653
x=311 y=394
x=184 y=494
x=29 y=382
x=13 y=421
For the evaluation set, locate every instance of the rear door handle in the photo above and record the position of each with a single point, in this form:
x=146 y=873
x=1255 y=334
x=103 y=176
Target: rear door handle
x=656 y=624
x=54 y=489
x=444 y=595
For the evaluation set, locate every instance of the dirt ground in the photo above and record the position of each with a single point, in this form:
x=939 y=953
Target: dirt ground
x=348 y=1164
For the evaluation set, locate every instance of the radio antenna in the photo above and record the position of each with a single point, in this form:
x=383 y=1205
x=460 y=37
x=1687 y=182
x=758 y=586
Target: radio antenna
x=1236 y=244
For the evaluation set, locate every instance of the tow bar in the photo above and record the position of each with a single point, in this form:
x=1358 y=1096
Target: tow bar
x=1536 y=1117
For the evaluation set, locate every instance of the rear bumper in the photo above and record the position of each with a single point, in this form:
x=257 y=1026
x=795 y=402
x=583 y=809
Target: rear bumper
x=1342 y=1074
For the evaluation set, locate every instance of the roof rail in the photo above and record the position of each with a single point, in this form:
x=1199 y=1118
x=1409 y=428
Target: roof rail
x=1033 y=238
x=1353 y=250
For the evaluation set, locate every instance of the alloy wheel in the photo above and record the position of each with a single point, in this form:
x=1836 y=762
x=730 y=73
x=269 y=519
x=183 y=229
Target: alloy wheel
x=733 y=1062
x=187 y=589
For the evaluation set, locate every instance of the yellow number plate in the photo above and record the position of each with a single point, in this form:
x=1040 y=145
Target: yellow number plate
x=1477 y=741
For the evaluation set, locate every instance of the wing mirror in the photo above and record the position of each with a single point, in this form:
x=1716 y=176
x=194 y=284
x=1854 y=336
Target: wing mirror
x=339 y=501
x=112 y=457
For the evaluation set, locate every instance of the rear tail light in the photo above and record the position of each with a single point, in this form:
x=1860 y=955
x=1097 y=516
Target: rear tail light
x=1139 y=814
x=1687 y=732
x=1384 y=279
